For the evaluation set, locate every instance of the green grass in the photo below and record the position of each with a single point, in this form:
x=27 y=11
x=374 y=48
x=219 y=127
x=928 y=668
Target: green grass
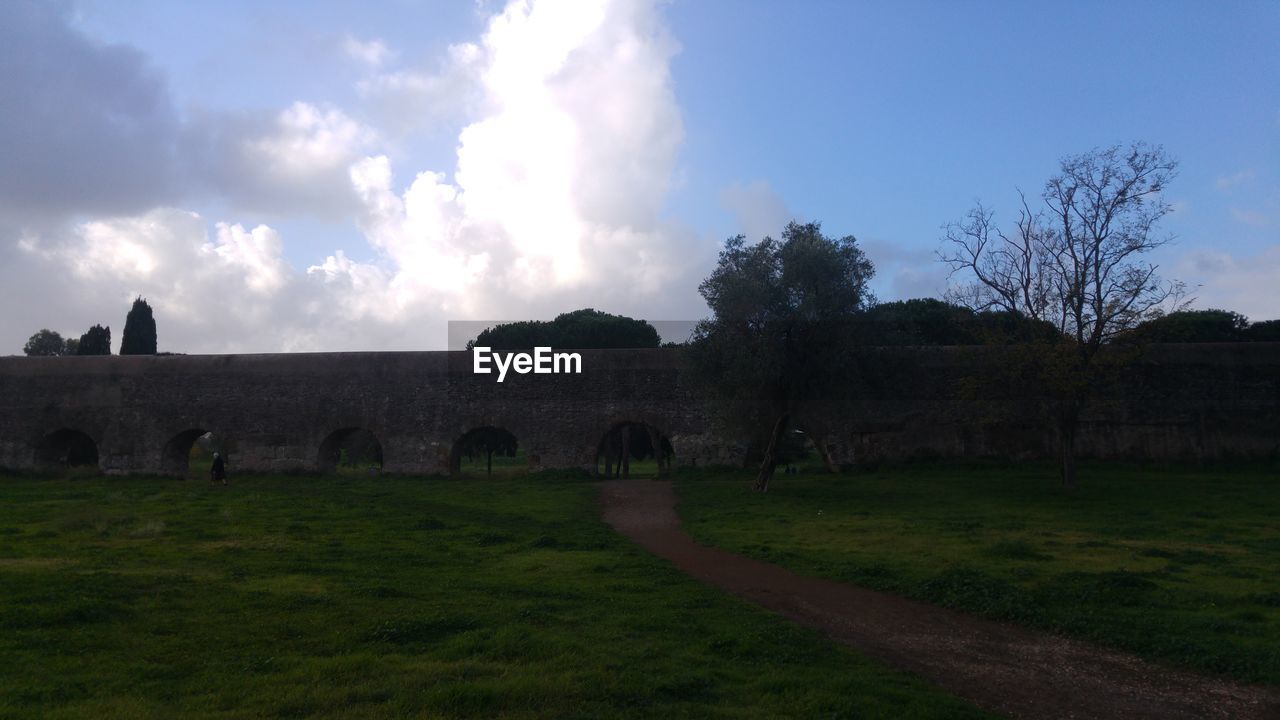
x=504 y=466
x=1179 y=565
x=385 y=597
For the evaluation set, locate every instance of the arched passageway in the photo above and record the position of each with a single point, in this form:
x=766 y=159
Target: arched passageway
x=475 y=452
x=67 y=448
x=353 y=451
x=634 y=449
x=190 y=452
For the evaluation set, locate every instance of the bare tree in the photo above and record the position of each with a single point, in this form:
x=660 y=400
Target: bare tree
x=1077 y=262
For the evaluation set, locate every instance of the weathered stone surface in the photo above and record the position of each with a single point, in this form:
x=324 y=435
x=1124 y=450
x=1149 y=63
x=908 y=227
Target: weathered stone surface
x=275 y=411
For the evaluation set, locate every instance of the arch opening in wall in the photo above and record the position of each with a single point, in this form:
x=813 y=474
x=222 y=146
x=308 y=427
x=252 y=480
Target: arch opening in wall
x=190 y=453
x=67 y=448
x=634 y=449
x=486 y=451
x=351 y=451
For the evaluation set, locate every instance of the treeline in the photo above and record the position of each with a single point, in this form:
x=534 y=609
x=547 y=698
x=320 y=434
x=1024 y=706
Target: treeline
x=919 y=321
x=925 y=321
x=139 y=337
x=585 y=329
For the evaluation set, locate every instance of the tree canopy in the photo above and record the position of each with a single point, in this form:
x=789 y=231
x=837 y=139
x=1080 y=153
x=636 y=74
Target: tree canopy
x=97 y=341
x=139 y=336
x=928 y=321
x=783 y=319
x=1265 y=331
x=45 y=343
x=585 y=329
x=1203 y=326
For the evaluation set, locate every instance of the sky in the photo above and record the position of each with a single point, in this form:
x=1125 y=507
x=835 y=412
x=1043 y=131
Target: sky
x=327 y=176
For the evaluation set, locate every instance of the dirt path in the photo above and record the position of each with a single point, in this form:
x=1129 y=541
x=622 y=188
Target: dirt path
x=1003 y=668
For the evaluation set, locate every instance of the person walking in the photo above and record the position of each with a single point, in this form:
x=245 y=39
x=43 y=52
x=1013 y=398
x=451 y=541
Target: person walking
x=219 y=469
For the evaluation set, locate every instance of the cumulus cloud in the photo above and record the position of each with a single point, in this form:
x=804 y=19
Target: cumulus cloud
x=88 y=128
x=555 y=202
x=84 y=126
x=559 y=183
x=208 y=292
x=294 y=161
x=215 y=287
x=416 y=100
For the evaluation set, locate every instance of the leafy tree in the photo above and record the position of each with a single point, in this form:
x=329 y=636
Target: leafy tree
x=1002 y=327
x=783 y=314
x=139 y=330
x=72 y=346
x=1191 y=326
x=1076 y=263
x=919 y=321
x=97 y=341
x=927 y=321
x=581 y=329
x=45 y=343
x=1265 y=331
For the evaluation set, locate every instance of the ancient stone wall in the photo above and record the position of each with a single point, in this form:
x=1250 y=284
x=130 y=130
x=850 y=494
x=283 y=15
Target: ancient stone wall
x=274 y=412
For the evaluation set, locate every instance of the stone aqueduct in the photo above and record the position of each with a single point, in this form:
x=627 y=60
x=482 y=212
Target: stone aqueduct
x=278 y=413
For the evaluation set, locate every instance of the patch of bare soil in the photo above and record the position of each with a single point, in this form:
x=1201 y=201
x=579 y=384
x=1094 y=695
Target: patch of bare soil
x=1016 y=671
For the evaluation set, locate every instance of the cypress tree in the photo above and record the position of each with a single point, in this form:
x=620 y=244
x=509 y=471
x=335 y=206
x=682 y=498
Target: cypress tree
x=139 y=330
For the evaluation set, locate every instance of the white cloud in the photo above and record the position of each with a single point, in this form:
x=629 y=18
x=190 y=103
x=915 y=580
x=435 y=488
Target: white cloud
x=373 y=53
x=256 y=254
x=556 y=202
x=294 y=161
x=1245 y=284
x=559 y=183
x=414 y=100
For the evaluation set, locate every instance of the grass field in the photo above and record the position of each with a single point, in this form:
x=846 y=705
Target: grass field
x=385 y=597
x=1179 y=565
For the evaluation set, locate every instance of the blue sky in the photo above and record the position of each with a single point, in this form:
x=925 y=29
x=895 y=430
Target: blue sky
x=263 y=172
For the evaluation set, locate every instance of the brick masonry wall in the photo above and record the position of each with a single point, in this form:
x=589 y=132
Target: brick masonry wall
x=275 y=411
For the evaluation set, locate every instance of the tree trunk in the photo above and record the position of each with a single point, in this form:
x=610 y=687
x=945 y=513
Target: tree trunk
x=488 y=470
x=626 y=453
x=608 y=457
x=824 y=450
x=771 y=455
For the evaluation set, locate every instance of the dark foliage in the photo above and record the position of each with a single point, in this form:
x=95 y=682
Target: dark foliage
x=1203 y=326
x=1265 y=331
x=45 y=343
x=584 y=329
x=776 y=351
x=926 y=321
x=97 y=341
x=139 y=330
